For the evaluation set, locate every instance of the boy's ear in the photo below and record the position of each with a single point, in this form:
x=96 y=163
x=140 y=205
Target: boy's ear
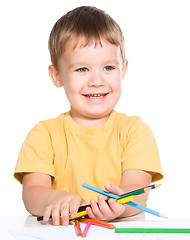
x=124 y=68
x=54 y=75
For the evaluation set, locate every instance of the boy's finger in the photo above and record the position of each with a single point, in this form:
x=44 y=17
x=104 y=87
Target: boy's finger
x=95 y=209
x=74 y=206
x=47 y=214
x=116 y=207
x=90 y=213
x=56 y=214
x=65 y=214
x=104 y=207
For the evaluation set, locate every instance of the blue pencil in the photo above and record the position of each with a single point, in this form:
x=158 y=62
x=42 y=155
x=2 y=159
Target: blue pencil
x=145 y=209
x=132 y=204
x=95 y=189
x=98 y=190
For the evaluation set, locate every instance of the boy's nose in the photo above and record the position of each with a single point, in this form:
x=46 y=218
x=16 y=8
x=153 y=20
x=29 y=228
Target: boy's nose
x=96 y=80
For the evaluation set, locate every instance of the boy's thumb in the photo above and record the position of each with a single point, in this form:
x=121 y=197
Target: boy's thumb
x=112 y=188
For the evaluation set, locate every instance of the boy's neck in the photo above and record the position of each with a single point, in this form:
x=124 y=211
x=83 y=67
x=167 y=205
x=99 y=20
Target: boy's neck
x=89 y=122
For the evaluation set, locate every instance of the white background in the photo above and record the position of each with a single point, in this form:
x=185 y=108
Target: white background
x=156 y=86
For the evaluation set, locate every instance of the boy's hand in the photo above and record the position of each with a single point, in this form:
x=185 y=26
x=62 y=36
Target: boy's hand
x=104 y=211
x=63 y=208
x=131 y=179
x=41 y=199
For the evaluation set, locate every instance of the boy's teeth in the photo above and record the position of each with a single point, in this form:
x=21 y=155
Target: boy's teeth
x=95 y=95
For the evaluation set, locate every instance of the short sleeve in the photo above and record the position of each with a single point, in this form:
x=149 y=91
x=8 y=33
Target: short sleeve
x=140 y=150
x=36 y=154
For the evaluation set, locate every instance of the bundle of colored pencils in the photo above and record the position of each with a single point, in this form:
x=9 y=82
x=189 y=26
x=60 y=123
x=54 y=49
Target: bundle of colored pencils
x=125 y=198
x=129 y=194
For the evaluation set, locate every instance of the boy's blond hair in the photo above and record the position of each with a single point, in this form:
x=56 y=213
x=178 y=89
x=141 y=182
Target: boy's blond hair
x=88 y=22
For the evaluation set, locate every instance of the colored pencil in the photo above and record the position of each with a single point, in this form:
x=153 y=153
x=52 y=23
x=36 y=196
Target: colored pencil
x=98 y=190
x=130 y=203
x=77 y=228
x=140 y=190
x=86 y=229
x=145 y=209
x=41 y=218
x=79 y=214
x=124 y=199
x=152 y=230
x=97 y=223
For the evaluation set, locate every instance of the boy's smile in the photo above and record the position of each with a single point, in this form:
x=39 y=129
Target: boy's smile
x=95 y=96
x=91 y=77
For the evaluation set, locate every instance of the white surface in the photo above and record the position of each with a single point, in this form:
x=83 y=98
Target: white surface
x=156 y=86
x=27 y=228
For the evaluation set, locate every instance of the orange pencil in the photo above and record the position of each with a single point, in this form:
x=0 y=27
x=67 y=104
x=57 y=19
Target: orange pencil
x=77 y=228
x=97 y=223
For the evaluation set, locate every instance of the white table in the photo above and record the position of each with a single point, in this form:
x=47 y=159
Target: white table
x=28 y=227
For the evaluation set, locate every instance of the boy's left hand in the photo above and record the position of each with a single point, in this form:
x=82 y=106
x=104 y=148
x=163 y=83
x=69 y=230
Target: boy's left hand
x=104 y=211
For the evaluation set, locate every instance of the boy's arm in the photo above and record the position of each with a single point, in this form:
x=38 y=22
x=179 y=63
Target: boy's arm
x=40 y=199
x=131 y=180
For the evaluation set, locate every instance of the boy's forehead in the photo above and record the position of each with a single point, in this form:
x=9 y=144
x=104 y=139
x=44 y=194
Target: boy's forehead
x=75 y=43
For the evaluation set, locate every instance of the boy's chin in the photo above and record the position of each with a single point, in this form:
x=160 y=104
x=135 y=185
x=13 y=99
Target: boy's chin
x=98 y=114
x=91 y=113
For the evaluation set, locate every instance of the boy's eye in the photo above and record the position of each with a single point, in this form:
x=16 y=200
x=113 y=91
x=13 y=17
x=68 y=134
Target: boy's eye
x=108 y=68
x=83 y=69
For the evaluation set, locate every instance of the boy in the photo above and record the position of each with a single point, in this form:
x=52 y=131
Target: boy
x=92 y=143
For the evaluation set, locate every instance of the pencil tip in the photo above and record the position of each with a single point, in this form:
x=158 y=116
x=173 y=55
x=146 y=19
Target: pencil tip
x=112 y=226
x=158 y=185
x=161 y=215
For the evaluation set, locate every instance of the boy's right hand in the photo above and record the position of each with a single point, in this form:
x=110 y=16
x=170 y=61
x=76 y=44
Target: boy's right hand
x=41 y=199
x=63 y=207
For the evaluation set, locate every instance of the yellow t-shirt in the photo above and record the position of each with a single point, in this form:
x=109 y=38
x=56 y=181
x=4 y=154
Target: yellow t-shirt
x=73 y=154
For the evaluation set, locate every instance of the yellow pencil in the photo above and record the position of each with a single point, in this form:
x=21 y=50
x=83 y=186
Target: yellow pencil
x=79 y=214
x=84 y=212
x=125 y=199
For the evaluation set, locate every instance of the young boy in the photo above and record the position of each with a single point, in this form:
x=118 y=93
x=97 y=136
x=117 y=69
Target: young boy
x=91 y=143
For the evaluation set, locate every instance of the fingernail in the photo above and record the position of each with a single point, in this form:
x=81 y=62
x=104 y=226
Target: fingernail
x=73 y=215
x=100 y=197
x=45 y=219
x=92 y=201
x=65 y=222
x=111 y=200
x=56 y=222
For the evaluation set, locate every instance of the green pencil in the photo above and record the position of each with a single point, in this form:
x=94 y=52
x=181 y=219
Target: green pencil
x=152 y=230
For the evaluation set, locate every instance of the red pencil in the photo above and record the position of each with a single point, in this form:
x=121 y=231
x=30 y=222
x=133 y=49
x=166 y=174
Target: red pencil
x=97 y=223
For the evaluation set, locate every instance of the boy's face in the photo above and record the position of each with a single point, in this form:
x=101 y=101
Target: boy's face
x=91 y=77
